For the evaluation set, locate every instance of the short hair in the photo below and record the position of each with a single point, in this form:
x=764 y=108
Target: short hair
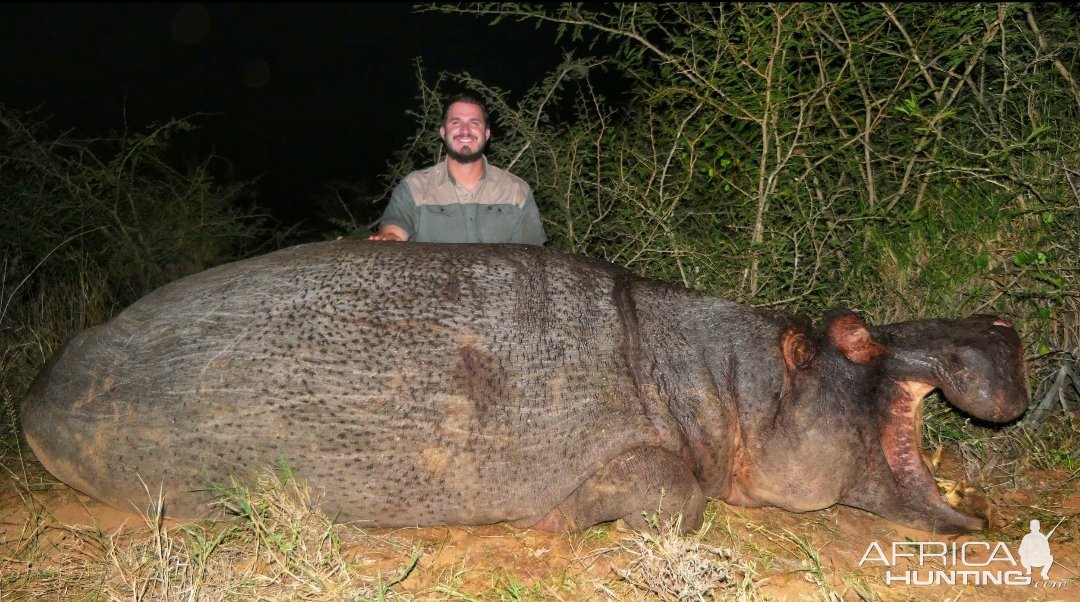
x=469 y=97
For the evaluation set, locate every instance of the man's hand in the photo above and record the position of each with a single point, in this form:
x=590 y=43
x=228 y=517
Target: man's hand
x=390 y=232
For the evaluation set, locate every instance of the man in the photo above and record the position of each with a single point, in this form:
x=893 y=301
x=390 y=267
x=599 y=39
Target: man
x=462 y=199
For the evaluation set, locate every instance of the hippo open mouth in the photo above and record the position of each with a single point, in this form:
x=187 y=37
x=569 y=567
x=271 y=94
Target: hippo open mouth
x=977 y=364
x=900 y=437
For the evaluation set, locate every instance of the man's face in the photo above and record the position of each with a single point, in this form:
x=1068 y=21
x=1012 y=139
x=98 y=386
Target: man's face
x=465 y=132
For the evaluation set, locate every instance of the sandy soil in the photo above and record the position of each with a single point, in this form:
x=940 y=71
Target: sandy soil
x=777 y=547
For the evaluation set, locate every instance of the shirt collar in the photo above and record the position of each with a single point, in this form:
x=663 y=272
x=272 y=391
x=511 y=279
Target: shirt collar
x=445 y=169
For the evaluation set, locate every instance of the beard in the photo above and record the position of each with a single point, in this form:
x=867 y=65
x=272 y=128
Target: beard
x=469 y=157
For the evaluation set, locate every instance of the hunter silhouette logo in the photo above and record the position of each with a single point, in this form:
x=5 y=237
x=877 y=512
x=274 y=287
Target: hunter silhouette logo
x=1035 y=549
x=968 y=562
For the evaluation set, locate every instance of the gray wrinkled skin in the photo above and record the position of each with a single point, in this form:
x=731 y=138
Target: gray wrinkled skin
x=413 y=384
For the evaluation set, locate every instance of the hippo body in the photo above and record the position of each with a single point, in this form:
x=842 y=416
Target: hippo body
x=415 y=384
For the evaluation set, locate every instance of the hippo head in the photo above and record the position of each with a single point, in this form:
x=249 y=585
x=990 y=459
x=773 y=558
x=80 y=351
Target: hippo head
x=848 y=422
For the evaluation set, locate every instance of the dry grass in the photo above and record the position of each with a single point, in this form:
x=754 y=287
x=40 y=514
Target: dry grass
x=279 y=550
x=674 y=567
x=273 y=546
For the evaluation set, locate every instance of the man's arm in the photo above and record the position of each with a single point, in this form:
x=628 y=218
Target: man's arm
x=530 y=230
x=398 y=222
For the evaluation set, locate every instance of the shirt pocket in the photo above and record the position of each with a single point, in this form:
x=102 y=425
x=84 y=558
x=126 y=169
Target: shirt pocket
x=498 y=222
x=440 y=223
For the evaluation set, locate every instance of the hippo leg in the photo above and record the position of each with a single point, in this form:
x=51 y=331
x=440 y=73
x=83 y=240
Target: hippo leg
x=641 y=483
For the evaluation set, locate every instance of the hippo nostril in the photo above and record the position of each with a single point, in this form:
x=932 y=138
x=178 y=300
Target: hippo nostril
x=1005 y=323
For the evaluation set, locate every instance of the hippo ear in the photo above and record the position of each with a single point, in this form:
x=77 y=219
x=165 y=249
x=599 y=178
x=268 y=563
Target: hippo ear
x=849 y=334
x=797 y=349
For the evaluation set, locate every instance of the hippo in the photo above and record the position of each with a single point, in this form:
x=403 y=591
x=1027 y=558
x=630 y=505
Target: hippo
x=412 y=384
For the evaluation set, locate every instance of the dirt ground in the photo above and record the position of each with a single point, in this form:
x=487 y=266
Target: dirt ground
x=835 y=554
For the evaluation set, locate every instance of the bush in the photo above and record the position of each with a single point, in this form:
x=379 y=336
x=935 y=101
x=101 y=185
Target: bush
x=89 y=226
x=904 y=160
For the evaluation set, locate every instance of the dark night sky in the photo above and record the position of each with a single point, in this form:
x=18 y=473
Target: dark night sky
x=300 y=94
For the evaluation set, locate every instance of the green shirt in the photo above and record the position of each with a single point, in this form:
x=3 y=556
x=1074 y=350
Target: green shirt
x=430 y=206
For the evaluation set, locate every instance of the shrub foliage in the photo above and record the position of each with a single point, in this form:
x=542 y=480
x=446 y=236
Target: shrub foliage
x=905 y=160
x=89 y=226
